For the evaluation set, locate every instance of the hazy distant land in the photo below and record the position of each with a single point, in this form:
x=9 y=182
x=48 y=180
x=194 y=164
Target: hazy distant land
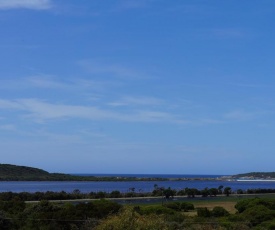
x=9 y=172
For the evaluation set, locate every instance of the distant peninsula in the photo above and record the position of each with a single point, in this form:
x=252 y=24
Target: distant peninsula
x=255 y=176
x=9 y=172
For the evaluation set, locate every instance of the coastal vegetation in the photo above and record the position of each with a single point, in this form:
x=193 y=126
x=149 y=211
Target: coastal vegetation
x=162 y=208
x=254 y=213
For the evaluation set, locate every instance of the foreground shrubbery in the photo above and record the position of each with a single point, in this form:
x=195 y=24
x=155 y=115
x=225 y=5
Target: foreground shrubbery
x=102 y=214
x=129 y=219
x=45 y=215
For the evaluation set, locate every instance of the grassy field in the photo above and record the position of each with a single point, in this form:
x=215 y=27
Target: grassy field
x=210 y=202
x=226 y=202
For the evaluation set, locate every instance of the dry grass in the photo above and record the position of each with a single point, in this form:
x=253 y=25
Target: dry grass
x=228 y=205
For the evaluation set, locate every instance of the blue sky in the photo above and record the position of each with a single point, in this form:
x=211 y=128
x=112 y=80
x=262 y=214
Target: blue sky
x=138 y=86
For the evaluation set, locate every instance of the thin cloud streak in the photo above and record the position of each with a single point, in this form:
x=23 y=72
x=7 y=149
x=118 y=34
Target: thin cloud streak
x=240 y=115
x=45 y=82
x=42 y=111
x=26 y=4
x=228 y=33
x=252 y=85
x=132 y=101
x=53 y=83
x=132 y=4
x=8 y=127
x=113 y=70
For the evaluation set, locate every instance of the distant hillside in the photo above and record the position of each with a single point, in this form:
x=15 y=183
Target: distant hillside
x=10 y=172
x=254 y=175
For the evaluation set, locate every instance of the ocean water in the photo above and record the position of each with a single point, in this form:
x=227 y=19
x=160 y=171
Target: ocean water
x=140 y=186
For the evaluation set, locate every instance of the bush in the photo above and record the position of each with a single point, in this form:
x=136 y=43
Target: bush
x=179 y=206
x=219 y=212
x=102 y=208
x=186 y=206
x=203 y=212
x=174 y=205
x=115 y=194
x=241 y=206
x=156 y=209
x=100 y=195
x=4 y=222
x=128 y=219
x=258 y=214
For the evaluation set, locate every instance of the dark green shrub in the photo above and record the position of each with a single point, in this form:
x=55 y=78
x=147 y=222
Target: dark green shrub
x=181 y=192
x=156 y=209
x=242 y=205
x=115 y=194
x=4 y=222
x=102 y=208
x=186 y=206
x=101 y=195
x=203 y=212
x=174 y=205
x=240 y=191
x=258 y=214
x=180 y=206
x=271 y=226
x=219 y=212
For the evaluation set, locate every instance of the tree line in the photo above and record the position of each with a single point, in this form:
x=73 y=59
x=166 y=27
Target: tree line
x=132 y=192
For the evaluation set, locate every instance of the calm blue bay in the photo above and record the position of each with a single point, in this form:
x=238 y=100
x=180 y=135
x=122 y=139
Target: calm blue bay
x=145 y=186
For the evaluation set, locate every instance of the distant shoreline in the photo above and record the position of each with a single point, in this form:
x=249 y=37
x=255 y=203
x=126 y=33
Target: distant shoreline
x=256 y=180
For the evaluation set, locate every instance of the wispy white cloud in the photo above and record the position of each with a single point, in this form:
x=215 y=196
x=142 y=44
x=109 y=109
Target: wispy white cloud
x=8 y=127
x=124 y=5
x=45 y=82
x=50 y=82
x=41 y=111
x=241 y=115
x=222 y=33
x=27 y=4
x=192 y=9
x=249 y=85
x=132 y=101
x=132 y=4
x=8 y=104
x=59 y=137
x=113 y=70
x=35 y=81
x=209 y=121
x=228 y=33
x=154 y=116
